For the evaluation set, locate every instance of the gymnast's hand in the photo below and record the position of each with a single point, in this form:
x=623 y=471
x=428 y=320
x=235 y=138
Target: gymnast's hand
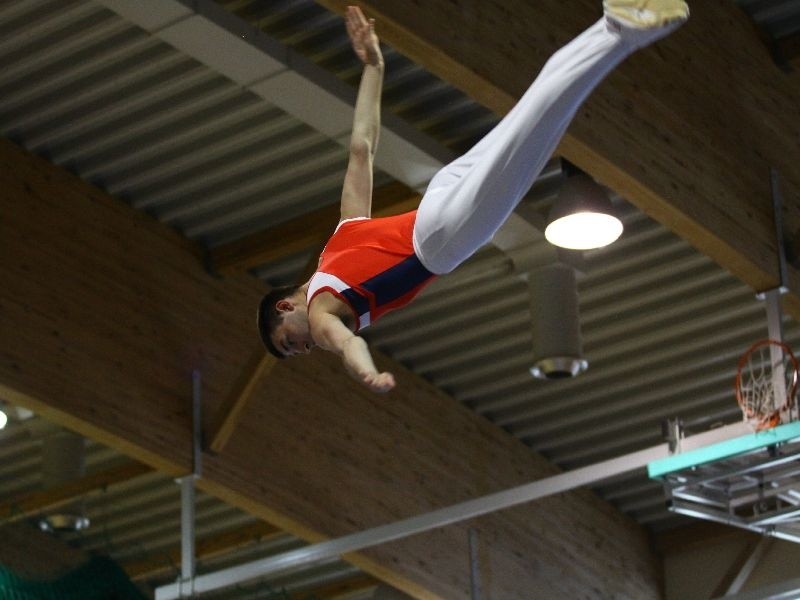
x=362 y=36
x=359 y=364
x=378 y=382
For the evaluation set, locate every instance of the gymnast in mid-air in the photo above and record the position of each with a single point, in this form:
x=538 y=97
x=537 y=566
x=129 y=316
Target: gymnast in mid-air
x=372 y=266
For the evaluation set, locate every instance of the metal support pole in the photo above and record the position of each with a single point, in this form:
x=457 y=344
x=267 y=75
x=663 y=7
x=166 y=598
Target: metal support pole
x=197 y=425
x=772 y=302
x=750 y=564
x=777 y=208
x=446 y=516
x=187 y=528
x=672 y=431
x=783 y=590
x=772 y=297
x=474 y=566
x=188 y=562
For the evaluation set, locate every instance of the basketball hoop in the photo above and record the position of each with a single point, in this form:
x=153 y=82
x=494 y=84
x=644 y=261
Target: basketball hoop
x=766 y=383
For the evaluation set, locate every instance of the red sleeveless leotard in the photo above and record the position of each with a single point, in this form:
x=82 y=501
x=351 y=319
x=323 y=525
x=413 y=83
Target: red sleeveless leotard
x=370 y=265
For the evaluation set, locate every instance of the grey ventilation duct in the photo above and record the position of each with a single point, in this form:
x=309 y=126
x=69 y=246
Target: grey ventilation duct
x=555 y=323
x=63 y=461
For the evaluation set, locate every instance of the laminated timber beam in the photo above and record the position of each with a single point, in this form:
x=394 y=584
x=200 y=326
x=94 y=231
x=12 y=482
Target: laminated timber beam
x=342 y=588
x=34 y=503
x=226 y=542
x=207 y=548
x=686 y=130
x=105 y=314
x=299 y=234
x=221 y=426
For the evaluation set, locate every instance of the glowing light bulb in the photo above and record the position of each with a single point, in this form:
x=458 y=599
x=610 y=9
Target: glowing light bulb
x=583 y=230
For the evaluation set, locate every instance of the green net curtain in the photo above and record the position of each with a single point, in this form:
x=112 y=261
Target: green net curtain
x=98 y=579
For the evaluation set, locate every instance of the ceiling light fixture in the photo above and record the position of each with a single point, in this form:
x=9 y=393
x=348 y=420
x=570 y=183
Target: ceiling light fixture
x=582 y=216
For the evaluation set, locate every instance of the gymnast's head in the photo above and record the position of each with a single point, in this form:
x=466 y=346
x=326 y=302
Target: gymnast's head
x=283 y=322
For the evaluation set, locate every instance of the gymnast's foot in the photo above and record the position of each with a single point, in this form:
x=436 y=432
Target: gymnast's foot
x=641 y=22
x=646 y=14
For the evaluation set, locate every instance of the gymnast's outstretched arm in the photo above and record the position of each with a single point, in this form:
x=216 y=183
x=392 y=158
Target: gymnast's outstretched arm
x=331 y=334
x=357 y=189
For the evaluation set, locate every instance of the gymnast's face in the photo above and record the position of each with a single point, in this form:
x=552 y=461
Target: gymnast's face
x=292 y=336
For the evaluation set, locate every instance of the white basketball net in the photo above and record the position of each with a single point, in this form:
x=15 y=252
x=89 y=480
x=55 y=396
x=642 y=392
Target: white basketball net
x=766 y=384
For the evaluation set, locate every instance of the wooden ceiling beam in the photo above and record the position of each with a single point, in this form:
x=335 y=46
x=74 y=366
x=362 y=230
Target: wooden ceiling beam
x=696 y=534
x=34 y=554
x=789 y=50
x=224 y=543
x=342 y=588
x=302 y=233
x=219 y=431
x=41 y=501
x=742 y=566
x=205 y=548
x=664 y=130
x=220 y=428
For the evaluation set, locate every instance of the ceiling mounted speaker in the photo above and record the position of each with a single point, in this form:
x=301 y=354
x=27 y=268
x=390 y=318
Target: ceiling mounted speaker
x=555 y=323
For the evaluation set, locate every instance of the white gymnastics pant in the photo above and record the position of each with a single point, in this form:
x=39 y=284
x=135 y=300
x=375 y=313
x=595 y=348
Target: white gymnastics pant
x=469 y=199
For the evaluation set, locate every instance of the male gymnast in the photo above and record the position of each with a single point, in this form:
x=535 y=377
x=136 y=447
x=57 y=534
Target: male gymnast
x=371 y=266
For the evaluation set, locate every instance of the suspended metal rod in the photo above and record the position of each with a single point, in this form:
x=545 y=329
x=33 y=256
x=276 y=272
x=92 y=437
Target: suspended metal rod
x=445 y=516
x=187 y=528
x=772 y=297
x=188 y=554
x=474 y=566
x=777 y=210
x=784 y=590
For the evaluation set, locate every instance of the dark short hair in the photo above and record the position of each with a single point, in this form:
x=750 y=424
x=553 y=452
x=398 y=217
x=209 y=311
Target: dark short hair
x=268 y=317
